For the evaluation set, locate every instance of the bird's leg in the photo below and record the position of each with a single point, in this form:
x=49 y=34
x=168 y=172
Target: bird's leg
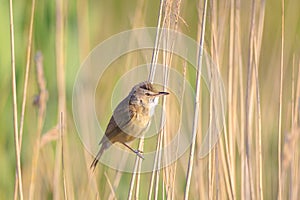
x=136 y=151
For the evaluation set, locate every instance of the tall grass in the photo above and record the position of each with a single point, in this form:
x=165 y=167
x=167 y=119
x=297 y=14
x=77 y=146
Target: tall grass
x=18 y=180
x=255 y=46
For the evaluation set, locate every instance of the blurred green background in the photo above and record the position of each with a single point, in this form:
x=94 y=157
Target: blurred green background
x=87 y=23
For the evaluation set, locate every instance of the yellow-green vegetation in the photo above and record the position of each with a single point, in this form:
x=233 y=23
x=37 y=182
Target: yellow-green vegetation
x=256 y=45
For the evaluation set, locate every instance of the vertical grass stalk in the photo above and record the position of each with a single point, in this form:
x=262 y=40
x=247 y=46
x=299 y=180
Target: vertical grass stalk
x=15 y=107
x=196 y=112
x=280 y=102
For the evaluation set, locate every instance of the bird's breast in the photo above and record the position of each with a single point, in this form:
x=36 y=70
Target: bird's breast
x=137 y=125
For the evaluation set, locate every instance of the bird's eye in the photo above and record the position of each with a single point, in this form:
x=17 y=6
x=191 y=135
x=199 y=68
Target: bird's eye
x=147 y=94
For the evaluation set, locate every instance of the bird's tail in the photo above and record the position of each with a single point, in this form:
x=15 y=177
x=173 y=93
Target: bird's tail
x=104 y=146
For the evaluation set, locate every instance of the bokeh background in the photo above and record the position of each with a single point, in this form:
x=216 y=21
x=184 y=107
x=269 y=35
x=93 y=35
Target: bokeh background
x=66 y=36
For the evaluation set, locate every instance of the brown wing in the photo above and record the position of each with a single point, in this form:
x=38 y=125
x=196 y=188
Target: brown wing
x=111 y=130
x=121 y=117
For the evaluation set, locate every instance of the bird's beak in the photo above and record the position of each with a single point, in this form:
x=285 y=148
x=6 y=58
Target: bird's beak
x=162 y=93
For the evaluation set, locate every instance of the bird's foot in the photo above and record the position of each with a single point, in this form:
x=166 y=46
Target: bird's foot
x=139 y=153
x=136 y=151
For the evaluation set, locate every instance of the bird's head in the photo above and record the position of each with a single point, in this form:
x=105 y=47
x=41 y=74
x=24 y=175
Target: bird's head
x=145 y=94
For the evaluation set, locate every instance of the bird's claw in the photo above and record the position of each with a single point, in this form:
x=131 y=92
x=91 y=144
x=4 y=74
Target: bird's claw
x=139 y=153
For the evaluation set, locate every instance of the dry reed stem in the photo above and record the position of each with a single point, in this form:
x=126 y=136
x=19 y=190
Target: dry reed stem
x=61 y=132
x=136 y=170
x=28 y=56
x=60 y=70
x=218 y=46
x=162 y=136
x=151 y=78
x=91 y=186
x=196 y=111
x=157 y=41
x=60 y=64
x=293 y=92
x=138 y=177
x=15 y=107
x=91 y=189
x=296 y=178
x=223 y=189
x=239 y=77
x=210 y=174
x=159 y=153
x=225 y=171
x=212 y=153
x=153 y=174
x=138 y=162
x=260 y=26
x=228 y=165
x=200 y=169
x=169 y=22
x=157 y=171
x=297 y=99
x=165 y=39
x=110 y=186
x=257 y=41
x=259 y=139
x=211 y=170
x=82 y=8
x=229 y=174
x=42 y=104
x=235 y=100
x=57 y=172
x=231 y=113
x=258 y=135
x=235 y=103
x=84 y=48
x=118 y=175
x=213 y=55
x=249 y=106
x=172 y=13
x=181 y=110
x=295 y=166
x=280 y=103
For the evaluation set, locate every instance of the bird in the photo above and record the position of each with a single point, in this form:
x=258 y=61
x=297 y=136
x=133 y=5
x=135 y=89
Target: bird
x=130 y=119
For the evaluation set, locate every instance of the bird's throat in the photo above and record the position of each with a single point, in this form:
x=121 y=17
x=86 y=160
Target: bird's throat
x=152 y=105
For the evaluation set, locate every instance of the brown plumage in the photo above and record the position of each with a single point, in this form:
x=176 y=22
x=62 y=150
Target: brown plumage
x=130 y=119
